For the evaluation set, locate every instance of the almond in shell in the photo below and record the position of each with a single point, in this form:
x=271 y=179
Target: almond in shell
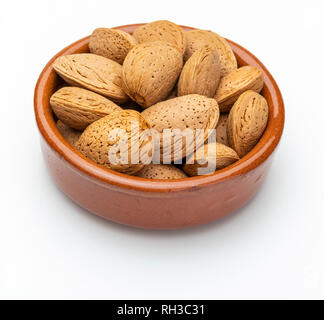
x=220 y=134
x=201 y=73
x=247 y=121
x=235 y=83
x=197 y=39
x=162 y=30
x=161 y=171
x=79 y=107
x=69 y=134
x=92 y=72
x=150 y=72
x=209 y=158
x=120 y=141
x=181 y=125
x=111 y=43
x=221 y=129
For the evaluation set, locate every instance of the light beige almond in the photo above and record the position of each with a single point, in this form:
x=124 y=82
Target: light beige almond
x=201 y=73
x=209 y=158
x=121 y=141
x=79 y=107
x=93 y=72
x=171 y=118
x=197 y=39
x=161 y=30
x=111 y=43
x=150 y=72
x=69 y=134
x=235 y=83
x=161 y=171
x=247 y=121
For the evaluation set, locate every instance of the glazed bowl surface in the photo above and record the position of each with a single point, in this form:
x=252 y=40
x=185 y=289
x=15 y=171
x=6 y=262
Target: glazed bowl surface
x=155 y=204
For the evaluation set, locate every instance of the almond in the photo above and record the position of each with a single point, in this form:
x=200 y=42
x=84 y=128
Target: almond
x=92 y=72
x=235 y=83
x=197 y=39
x=69 y=134
x=208 y=158
x=201 y=73
x=79 y=107
x=220 y=134
x=114 y=143
x=221 y=129
x=247 y=121
x=161 y=30
x=150 y=72
x=111 y=43
x=161 y=171
x=187 y=112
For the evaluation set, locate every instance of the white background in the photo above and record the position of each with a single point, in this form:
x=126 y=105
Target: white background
x=272 y=248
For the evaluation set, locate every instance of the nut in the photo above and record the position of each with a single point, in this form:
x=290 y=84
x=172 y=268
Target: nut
x=209 y=158
x=187 y=112
x=161 y=171
x=69 y=134
x=111 y=43
x=92 y=72
x=247 y=122
x=237 y=82
x=79 y=107
x=197 y=39
x=201 y=73
x=161 y=30
x=150 y=72
x=114 y=142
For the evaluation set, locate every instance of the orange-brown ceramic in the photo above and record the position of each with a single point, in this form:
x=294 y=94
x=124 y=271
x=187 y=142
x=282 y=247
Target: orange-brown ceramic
x=155 y=204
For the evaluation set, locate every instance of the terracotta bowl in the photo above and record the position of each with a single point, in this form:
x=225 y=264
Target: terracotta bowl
x=155 y=204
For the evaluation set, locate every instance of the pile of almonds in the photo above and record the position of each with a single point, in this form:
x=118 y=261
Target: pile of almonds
x=161 y=79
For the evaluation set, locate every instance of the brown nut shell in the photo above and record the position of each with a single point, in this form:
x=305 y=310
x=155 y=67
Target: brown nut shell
x=201 y=73
x=197 y=39
x=247 y=121
x=162 y=30
x=113 y=142
x=235 y=83
x=209 y=158
x=69 y=134
x=161 y=171
x=111 y=43
x=150 y=72
x=185 y=114
x=92 y=72
x=78 y=107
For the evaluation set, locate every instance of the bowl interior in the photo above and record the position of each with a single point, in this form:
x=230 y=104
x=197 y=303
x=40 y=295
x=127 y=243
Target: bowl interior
x=49 y=81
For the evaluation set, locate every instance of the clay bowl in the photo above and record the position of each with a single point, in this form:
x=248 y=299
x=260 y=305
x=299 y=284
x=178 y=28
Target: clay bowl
x=155 y=204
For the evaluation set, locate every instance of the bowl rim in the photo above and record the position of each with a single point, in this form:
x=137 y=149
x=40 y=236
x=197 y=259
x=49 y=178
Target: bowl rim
x=263 y=149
